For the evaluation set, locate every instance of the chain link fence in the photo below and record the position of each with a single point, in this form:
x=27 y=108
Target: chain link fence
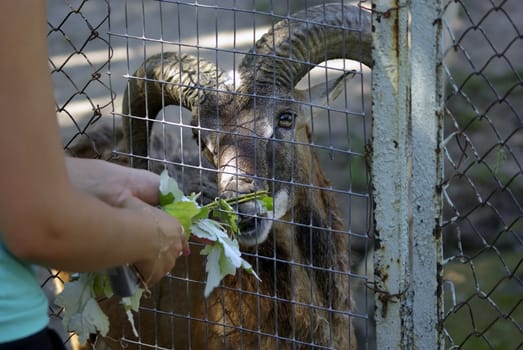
x=79 y=60
x=483 y=185
x=94 y=47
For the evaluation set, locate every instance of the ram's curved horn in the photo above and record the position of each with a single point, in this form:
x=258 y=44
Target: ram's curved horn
x=164 y=79
x=294 y=46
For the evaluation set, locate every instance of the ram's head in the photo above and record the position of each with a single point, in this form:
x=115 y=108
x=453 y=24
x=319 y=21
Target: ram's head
x=254 y=132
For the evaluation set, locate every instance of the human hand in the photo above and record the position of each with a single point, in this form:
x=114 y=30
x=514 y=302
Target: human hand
x=168 y=236
x=113 y=183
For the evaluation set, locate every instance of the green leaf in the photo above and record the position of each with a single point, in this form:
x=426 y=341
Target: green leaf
x=169 y=190
x=184 y=211
x=226 y=214
x=207 y=229
x=212 y=267
x=203 y=214
x=90 y=321
x=133 y=302
x=267 y=201
x=82 y=314
x=231 y=252
x=73 y=297
x=227 y=265
x=100 y=285
x=97 y=284
x=165 y=199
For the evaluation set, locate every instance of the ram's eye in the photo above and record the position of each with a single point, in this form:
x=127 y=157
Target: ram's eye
x=286 y=120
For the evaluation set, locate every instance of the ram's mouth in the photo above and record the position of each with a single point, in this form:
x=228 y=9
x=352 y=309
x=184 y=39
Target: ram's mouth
x=254 y=230
x=256 y=221
x=253 y=224
x=248 y=225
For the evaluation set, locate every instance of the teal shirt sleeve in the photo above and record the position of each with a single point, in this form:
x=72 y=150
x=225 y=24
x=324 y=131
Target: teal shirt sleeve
x=23 y=304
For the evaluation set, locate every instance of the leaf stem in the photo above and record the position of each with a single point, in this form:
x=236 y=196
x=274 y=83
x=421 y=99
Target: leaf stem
x=242 y=198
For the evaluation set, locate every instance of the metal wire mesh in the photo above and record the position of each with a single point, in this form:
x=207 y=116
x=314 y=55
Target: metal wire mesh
x=95 y=49
x=483 y=185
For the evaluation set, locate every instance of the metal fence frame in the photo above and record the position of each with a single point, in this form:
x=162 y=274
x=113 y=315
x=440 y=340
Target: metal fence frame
x=406 y=171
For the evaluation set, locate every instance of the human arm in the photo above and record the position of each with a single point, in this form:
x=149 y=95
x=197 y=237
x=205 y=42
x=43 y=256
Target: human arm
x=44 y=219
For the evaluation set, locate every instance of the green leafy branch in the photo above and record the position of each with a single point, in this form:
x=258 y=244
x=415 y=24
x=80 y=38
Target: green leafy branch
x=82 y=313
x=223 y=255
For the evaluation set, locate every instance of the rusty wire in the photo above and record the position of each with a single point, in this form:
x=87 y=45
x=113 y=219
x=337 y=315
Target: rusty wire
x=483 y=182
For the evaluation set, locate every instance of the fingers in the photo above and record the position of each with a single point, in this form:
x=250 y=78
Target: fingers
x=144 y=185
x=152 y=271
x=168 y=237
x=186 y=250
x=172 y=243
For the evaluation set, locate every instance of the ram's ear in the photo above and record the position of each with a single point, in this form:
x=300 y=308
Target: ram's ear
x=321 y=93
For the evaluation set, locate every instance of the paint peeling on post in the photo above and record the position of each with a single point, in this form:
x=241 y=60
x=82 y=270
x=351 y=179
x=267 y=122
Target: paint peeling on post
x=406 y=166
